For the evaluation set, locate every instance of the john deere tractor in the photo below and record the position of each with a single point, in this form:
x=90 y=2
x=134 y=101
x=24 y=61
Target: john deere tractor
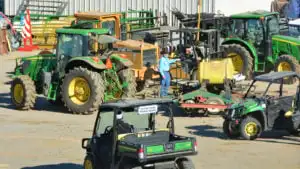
x=79 y=74
x=256 y=45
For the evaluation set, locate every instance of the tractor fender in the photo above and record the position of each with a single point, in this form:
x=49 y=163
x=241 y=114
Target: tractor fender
x=119 y=59
x=89 y=61
x=243 y=43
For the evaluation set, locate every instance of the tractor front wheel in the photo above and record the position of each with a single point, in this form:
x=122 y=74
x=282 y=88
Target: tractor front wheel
x=127 y=78
x=241 y=58
x=82 y=91
x=23 y=93
x=287 y=63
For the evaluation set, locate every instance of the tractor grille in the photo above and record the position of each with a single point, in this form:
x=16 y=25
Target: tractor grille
x=149 y=57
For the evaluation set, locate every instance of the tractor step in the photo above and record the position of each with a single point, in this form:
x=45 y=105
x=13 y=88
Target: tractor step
x=261 y=67
x=52 y=91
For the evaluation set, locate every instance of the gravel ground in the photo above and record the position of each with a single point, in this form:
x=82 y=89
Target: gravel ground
x=49 y=137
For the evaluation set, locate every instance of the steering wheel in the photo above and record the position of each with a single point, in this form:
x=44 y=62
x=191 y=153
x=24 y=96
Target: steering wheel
x=107 y=129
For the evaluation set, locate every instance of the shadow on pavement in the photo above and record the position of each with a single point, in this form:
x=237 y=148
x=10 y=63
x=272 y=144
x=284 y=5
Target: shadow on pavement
x=41 y=104
x=56 y=166
x=206 y=131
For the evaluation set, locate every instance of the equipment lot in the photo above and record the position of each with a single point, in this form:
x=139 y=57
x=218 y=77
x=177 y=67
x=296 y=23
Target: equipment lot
x=48 y=137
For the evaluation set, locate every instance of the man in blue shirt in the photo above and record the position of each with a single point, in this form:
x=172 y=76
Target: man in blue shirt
x=164 y=68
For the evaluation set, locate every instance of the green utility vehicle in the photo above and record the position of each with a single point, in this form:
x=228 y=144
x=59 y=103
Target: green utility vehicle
x=256 y=45
x=256 y=114
x=127 y=135
x=77 y=75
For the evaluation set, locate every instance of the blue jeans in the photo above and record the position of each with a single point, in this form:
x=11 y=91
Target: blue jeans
x=165 y=84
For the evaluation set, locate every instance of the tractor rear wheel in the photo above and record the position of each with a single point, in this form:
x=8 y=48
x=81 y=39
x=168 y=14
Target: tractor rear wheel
x=241 y=58
x=23 y=93
x=82 y=91
x=127 y=76
x=287 y=63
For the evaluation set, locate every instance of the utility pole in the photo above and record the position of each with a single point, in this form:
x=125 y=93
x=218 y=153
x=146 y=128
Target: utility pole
x=199 y=18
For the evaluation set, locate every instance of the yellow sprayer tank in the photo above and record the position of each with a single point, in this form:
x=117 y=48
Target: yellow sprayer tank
x=215 y=71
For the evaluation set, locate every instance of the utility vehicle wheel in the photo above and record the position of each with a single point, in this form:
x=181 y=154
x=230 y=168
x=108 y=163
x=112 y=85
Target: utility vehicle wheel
x=287 y=63
x=185 y=164
x=250 y=128
x=82 y=91
x=241 y=58
x=229 y=131
x=23 y=93
x=214 y=100
x=127 y=76
x=88 y=163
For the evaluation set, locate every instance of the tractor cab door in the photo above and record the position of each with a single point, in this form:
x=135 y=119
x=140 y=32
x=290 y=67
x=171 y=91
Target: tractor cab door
x=255 y=36
x=101 y=144
x=276 y=109
x=68 y=46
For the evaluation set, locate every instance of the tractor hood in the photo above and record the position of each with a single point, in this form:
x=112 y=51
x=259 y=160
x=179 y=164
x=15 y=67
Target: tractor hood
x=286 y=39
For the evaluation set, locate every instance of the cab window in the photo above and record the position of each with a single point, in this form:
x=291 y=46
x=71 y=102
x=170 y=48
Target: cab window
x=109 y=25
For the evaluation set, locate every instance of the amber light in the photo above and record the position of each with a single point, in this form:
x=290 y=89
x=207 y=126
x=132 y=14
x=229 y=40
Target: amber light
x=123 y=56
x=108 y=63
x=96 y=59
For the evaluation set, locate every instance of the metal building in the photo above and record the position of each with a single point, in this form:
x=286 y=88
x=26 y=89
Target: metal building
x=164 y=6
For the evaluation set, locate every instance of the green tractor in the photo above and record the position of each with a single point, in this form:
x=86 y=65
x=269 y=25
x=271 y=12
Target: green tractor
x=77 y=74
x=255 y=44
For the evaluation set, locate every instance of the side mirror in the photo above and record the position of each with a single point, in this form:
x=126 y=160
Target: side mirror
x=85 y=143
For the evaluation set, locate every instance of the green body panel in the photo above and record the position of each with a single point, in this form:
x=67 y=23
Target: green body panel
x=248 y=106
x=84 y=32
x=155 y=149
x=183 y=146
x=285 y=45
x=124 y=148
x=251 y=15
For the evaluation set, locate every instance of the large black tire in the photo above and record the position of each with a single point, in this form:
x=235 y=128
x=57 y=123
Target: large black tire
x=96 y=88
x=246 y=125
x=88 y=163
x=127 y=76
x=229 y=131
x=235 y=50
x=287 y=63
x=23 y=93
x=185 y=164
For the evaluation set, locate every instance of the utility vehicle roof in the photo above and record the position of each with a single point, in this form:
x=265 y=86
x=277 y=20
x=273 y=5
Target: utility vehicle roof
x=82 y=31
x=274 y=76
x=129 y=103
x=253 y=14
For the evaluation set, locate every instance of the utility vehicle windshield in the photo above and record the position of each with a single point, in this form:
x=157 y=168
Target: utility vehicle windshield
x=130 y=121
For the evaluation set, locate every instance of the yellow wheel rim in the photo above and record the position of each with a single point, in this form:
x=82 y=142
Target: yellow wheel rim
x=284 y=66
x=88 y=164
x=237 y=62
x=79 y=90
x=18 y=93
x=251 y=129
